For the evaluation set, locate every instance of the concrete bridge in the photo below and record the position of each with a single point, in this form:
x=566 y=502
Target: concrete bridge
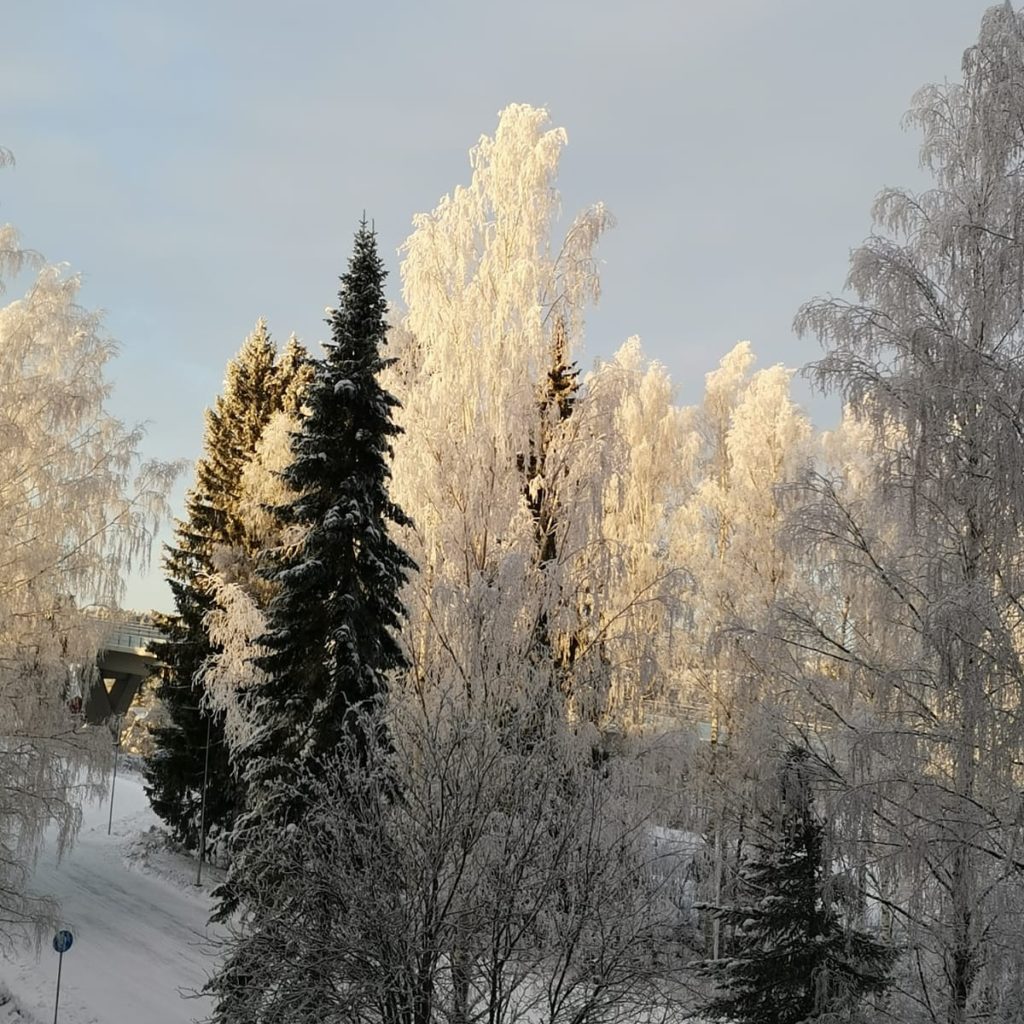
x=123 y=666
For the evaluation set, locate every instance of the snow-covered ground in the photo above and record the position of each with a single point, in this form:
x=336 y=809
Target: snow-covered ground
x=139 y=925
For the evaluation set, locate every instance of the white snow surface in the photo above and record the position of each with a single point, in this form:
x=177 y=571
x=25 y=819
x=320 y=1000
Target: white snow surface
x=139 y=924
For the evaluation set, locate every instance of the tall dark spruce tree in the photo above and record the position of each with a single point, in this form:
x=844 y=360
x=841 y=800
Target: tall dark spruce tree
x=255 y=388
x=796 y=960
x=330 y=641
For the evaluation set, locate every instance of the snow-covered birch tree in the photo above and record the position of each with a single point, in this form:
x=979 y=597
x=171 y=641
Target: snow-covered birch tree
x=745 y=443
x=532 y=516
x=79 y=508
x=929 y=355
x=748 y=441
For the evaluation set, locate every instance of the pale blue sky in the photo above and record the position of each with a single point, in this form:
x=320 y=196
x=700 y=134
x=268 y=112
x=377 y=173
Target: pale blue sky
x=205 y=163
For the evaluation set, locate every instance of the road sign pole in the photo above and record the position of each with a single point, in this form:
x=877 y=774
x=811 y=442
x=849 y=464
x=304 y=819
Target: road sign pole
x=56 y=1002
x=61 y=943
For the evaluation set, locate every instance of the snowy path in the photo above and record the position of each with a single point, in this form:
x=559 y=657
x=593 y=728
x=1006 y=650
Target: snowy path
x=139 y=939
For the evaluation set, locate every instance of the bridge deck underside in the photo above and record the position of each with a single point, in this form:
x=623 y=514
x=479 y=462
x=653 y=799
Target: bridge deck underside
x=121 y=675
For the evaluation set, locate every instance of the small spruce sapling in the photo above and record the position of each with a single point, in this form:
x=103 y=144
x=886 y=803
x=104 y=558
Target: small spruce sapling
x=796 y=957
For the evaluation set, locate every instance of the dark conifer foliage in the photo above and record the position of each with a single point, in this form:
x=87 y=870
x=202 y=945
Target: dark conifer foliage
x=174 y=773
x=555 y=405
x=796 y=958
x=330 y=642
x=255 y=387
x=331 y=628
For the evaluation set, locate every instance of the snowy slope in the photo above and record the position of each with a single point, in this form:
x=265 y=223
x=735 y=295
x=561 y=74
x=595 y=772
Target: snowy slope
x=139 y=934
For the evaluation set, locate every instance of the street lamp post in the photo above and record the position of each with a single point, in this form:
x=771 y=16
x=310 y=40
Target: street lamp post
x=202 y=804
x=119 y=720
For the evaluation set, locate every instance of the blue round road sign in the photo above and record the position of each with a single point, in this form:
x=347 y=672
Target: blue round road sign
x=62 y=941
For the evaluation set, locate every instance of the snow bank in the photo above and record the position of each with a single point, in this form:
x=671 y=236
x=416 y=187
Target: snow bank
x=142 y=946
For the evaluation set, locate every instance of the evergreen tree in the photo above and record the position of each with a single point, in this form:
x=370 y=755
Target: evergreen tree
x=294 y=373
x=255 y=387
x=329 y=643
x=555 y=404
x=796 y=958
x=174 y=772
